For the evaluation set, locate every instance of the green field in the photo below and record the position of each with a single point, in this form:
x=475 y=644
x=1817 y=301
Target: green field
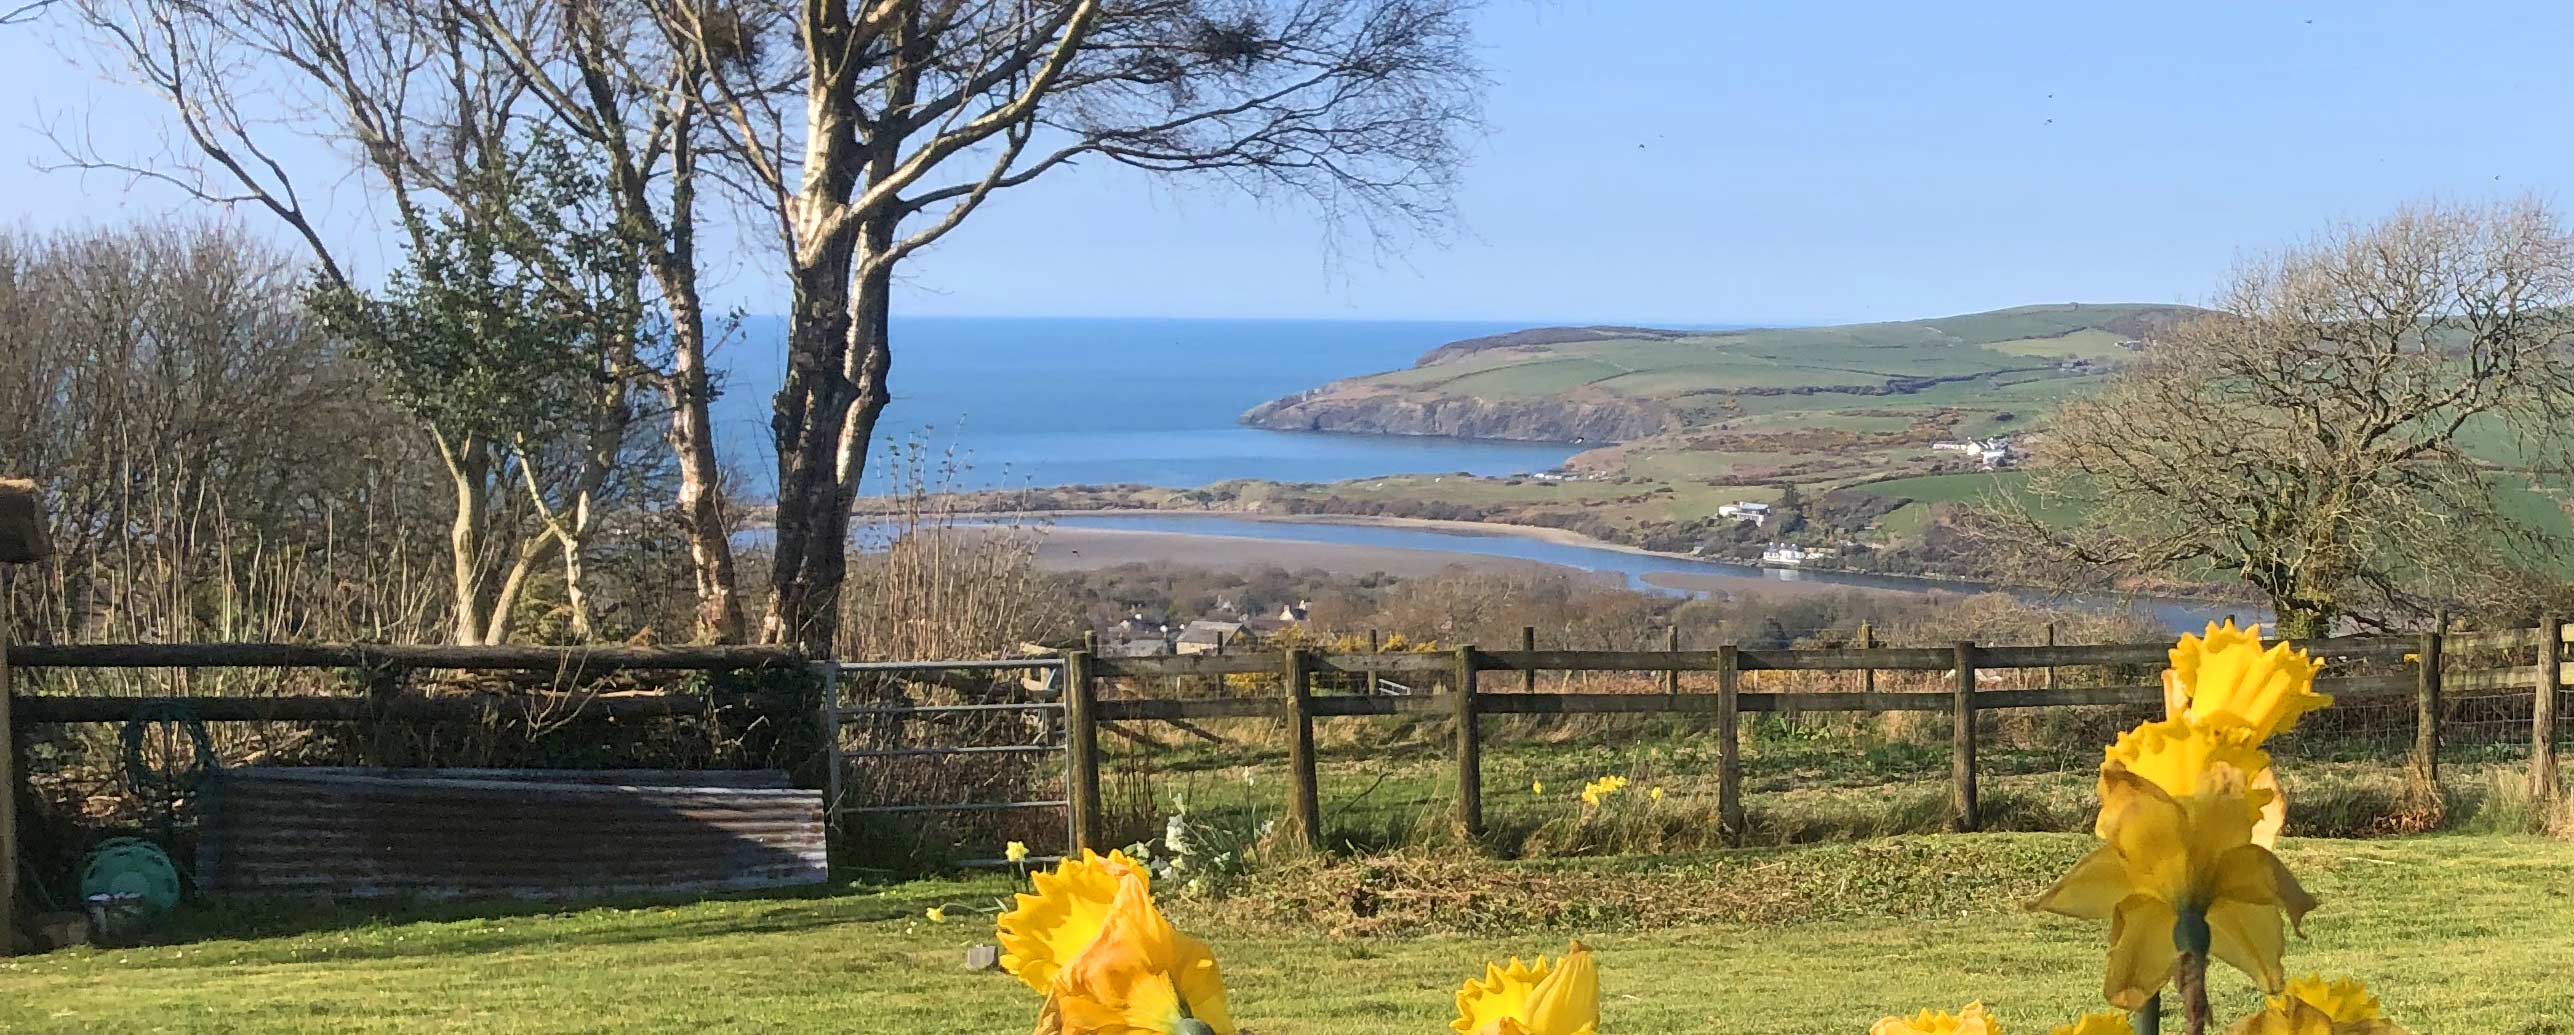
x=2458 y=934
x=1752 y=411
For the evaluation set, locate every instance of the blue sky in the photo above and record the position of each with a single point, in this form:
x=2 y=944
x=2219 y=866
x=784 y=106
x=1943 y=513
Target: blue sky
x=1692 y=162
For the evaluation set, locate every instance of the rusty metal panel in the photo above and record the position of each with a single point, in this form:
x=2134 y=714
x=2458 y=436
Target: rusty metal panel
x=361 y=833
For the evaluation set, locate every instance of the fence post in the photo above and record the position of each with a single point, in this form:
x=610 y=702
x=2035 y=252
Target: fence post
x=2542 y=714
x=1962 y=738
x=831 y=760
x=2426 y=716
x=384 y=683
x=8 y=807
x=1729 y=742
x=1470 y=748
x=2051 y=669
x=1374 y=646
x=1867 y=676
x=1671 y=643
x=1081 y=753
x=1304 y=796
x=1528 y=642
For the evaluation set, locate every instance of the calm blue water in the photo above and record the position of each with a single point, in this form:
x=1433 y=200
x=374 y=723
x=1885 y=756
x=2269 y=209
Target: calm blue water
x=1034 y=402
x=2177 y=614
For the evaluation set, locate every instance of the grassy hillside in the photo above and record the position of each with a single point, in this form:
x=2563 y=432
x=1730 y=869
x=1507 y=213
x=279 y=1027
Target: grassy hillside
x=1698 y=419
x=1699 y=370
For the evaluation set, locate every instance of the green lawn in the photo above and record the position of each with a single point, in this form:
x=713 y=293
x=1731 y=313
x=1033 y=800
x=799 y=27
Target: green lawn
x=2460 y=934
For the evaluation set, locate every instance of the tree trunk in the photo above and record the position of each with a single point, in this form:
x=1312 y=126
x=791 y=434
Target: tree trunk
x=812 y=407
x=467 y=468
x=701 y=498
x=692 y=427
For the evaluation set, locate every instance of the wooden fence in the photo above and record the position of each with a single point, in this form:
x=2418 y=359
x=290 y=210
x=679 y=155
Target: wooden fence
x=2418 y=657
x=384 y=672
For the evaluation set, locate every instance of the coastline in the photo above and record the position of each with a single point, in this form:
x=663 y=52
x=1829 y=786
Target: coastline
x=1092 y=549
x=1917 y=583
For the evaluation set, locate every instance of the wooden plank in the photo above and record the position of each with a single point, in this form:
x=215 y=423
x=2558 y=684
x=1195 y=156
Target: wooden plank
x=1304 y=792
x=1962 y=739
x=2522 y=677
x=2363 y=687
x=382 y=656
x=2426 y=711
x=1543 y=703
x=1081 y=753
x=1413 y=704
x=1845 y=701
x=2088 y=696
x=2155 y=654
x=1470 y=745
x=1729 y=743
x=1150 y=709
x=2542 y=714
x=2493 y=639
x=8 y=804
x=1415 y=662
x=52 y=708
x=1590 y=661
x=1671 y=643
x=1913 y=659
x=1183 y=665
x=2357 y=648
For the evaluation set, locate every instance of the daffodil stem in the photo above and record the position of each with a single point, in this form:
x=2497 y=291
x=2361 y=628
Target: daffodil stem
x=2147 y=1019
x=2190 y=976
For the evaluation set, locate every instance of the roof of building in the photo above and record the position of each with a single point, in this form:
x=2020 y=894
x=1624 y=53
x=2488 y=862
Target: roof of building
x=1204 y=631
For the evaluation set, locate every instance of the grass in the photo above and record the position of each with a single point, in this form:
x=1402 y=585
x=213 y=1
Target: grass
x=2459 y=933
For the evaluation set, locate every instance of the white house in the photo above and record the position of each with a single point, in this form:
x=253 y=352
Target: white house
x=1745 y=511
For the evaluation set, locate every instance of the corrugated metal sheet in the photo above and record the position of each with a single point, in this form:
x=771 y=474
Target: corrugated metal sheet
x=504 y=833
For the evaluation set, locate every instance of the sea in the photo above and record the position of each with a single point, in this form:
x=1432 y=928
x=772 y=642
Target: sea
x=992 y=402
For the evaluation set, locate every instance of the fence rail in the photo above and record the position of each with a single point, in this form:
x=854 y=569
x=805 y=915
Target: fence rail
x=1299 y=702
x=2427 y=686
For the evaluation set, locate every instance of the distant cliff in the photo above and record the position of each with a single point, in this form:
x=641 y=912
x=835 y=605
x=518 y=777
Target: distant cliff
x=1368 y=409
x=1604 y=384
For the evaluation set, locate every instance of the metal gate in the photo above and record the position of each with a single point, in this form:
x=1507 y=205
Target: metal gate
x=976 y=751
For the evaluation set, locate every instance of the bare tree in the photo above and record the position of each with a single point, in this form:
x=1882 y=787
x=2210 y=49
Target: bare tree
x=428 y=114
x=215 y=466
x=605 y=75
x=869 y=130
x=2340 y=435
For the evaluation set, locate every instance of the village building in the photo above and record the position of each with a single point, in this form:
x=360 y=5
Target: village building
x=1745 y=512
x=1207 y=637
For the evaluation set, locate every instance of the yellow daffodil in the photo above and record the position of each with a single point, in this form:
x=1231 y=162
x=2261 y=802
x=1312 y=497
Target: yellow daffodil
x=1139 y=976
x=2227 y=680
x=1533 y=998
x=2172 y=859
x=2313 y=1006
x=1655 y=794
x=936 y=914
x=1599 y=790
x=1536 y=786
x=2096 y=1024
x=1043 y=931
x=2176 y=755
x=1973 y=1020
x=1017 y=852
